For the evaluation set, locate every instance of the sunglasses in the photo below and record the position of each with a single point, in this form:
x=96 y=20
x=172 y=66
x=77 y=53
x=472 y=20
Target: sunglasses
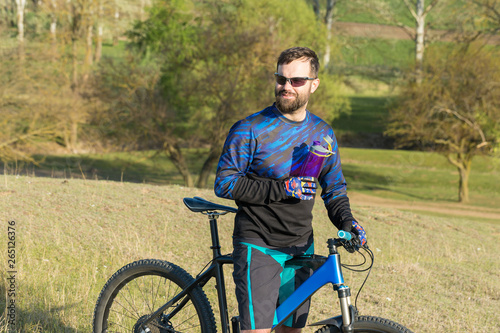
x=294 y=81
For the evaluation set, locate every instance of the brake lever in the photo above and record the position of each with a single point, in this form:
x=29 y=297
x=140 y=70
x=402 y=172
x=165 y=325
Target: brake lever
x=351 y=246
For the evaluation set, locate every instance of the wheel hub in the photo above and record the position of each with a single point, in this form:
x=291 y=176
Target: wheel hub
x=157 y=325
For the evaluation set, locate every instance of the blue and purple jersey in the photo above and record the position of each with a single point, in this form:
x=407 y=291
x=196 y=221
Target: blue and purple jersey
x=259 y=153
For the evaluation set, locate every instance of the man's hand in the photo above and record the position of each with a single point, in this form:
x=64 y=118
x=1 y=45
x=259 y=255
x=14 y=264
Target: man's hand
x=302 y=188
x=355 y=228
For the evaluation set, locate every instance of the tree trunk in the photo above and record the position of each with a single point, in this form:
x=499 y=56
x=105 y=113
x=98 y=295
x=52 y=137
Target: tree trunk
x=98 y=47
x=20 y=4
x=463 y=184
x=463 y=163
x=316 y=9
x=175 y=154
x=75 y=26
x=53 y=29
x=329 y=23
x=208 y=166
x=88 y=51
x=419 y=40
x=74 y=76
x=116 y=30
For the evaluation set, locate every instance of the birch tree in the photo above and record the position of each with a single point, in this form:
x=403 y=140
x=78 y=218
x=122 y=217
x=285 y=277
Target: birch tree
x=419 y=12
x=100 y=28
x=53 y=25
x=20 y=6
x=328 y=21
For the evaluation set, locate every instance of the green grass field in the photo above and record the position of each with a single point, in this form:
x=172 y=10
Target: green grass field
x=392 y=174
x=79 y=218
x=418 y=176
x=432 y=274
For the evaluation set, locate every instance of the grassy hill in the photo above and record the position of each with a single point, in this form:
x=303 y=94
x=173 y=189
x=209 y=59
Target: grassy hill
x=389 y=174
x=432 y=274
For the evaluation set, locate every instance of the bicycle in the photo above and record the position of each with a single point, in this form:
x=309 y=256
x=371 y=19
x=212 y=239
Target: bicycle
x=156 y=296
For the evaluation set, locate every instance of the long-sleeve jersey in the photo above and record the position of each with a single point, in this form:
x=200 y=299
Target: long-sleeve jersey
x=260 y=152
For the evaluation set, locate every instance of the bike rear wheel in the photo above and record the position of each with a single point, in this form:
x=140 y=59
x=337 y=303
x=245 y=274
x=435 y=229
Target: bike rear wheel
x=138 y=289
x=370 y=324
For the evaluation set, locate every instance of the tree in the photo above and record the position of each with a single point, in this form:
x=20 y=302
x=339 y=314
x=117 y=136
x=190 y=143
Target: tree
x=328 y=20
x=419 y=12
x=32 y=109
x=455 y=111
x=20 y=5
x=217 y=60
x=479 y=18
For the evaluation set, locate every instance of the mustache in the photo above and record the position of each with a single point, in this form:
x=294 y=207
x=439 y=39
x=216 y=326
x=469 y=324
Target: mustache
x=283 y=92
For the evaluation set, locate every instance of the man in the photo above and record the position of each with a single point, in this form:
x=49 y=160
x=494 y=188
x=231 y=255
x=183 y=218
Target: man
x=258 y=169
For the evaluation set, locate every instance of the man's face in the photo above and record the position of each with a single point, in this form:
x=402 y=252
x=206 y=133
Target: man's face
x=291 y=99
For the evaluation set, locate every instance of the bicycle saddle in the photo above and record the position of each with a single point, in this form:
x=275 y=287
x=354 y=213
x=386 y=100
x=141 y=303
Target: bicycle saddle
x=199 y=205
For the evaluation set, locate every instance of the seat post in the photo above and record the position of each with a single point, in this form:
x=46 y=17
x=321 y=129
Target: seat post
x=215 y=234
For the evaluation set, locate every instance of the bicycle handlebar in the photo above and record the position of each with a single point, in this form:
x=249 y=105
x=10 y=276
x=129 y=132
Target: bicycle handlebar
x=344 y=235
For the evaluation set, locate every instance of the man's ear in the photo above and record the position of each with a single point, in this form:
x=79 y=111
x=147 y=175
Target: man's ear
x=314 y=85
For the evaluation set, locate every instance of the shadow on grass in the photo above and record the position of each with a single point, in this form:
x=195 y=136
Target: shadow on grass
x=16 y=319
x=369 y=114
x=360 y=179
x=144 y=169
x=365 y=125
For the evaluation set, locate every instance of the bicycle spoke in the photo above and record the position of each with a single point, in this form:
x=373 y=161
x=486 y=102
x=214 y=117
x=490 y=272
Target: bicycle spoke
x=139 y=294
x=125 y=315
x=144 y=298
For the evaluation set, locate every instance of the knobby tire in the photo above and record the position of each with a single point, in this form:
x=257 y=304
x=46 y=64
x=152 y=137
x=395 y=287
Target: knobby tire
x=140 y=288
x=369 y=324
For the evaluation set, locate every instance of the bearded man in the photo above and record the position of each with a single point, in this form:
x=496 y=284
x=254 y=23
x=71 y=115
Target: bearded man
x=258 y=169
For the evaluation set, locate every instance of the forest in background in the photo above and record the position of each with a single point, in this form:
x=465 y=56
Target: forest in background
x=81 y=76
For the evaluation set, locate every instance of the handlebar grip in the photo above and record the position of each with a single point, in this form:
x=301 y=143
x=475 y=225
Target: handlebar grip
x=344 y=235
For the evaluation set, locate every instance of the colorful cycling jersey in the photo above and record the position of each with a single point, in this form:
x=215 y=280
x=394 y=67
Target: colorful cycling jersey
x=259 y=153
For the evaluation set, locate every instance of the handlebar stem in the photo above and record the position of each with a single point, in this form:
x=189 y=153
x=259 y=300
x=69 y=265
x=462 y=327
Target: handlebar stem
x=332 y=246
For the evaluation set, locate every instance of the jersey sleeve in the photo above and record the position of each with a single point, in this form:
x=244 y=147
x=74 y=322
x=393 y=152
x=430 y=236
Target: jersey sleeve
x=334 y=186
x=233 y=180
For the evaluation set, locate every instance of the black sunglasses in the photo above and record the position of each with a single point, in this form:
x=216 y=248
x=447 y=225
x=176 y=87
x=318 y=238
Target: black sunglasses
x=294 y=81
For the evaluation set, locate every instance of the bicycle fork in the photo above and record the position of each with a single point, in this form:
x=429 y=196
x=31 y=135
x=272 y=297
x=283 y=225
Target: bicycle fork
x=347 y=309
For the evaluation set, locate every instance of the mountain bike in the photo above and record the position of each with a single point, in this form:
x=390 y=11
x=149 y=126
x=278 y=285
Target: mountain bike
x=156 y=296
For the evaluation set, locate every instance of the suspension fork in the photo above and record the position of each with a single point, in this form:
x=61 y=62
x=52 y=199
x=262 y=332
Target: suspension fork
x=347 y=309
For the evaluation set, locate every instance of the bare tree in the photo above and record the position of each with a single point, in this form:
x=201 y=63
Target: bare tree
x=455 y=111
x=419 y=12
x=98 y=48
x=53 y=25
x=20 y=6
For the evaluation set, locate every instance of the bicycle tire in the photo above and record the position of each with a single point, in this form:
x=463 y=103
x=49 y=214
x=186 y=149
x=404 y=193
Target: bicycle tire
x=139 y=288
x=369 y=324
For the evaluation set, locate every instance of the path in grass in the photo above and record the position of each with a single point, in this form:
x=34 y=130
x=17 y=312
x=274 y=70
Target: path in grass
x=372 y=30
x=455 y=209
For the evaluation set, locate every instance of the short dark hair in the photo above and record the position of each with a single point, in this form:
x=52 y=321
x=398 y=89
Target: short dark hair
x=296 y=53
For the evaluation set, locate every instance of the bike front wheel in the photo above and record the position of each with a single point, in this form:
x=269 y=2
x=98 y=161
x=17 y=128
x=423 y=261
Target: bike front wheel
x=139 y=289
x=369 y=324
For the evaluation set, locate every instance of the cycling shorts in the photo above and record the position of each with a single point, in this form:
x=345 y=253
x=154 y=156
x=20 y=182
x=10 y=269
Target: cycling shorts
x=262 y=283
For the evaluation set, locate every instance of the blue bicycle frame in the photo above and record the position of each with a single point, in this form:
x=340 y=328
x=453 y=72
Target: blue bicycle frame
x=327 y=270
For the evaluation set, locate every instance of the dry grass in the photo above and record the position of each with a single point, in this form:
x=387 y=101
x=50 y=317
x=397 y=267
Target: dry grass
x=431 y=274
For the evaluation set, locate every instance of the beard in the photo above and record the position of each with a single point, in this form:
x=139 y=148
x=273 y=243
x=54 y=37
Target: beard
x=290 y=105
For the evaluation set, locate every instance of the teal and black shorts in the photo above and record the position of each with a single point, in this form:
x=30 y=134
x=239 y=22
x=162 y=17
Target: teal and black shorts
x=262 y=282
